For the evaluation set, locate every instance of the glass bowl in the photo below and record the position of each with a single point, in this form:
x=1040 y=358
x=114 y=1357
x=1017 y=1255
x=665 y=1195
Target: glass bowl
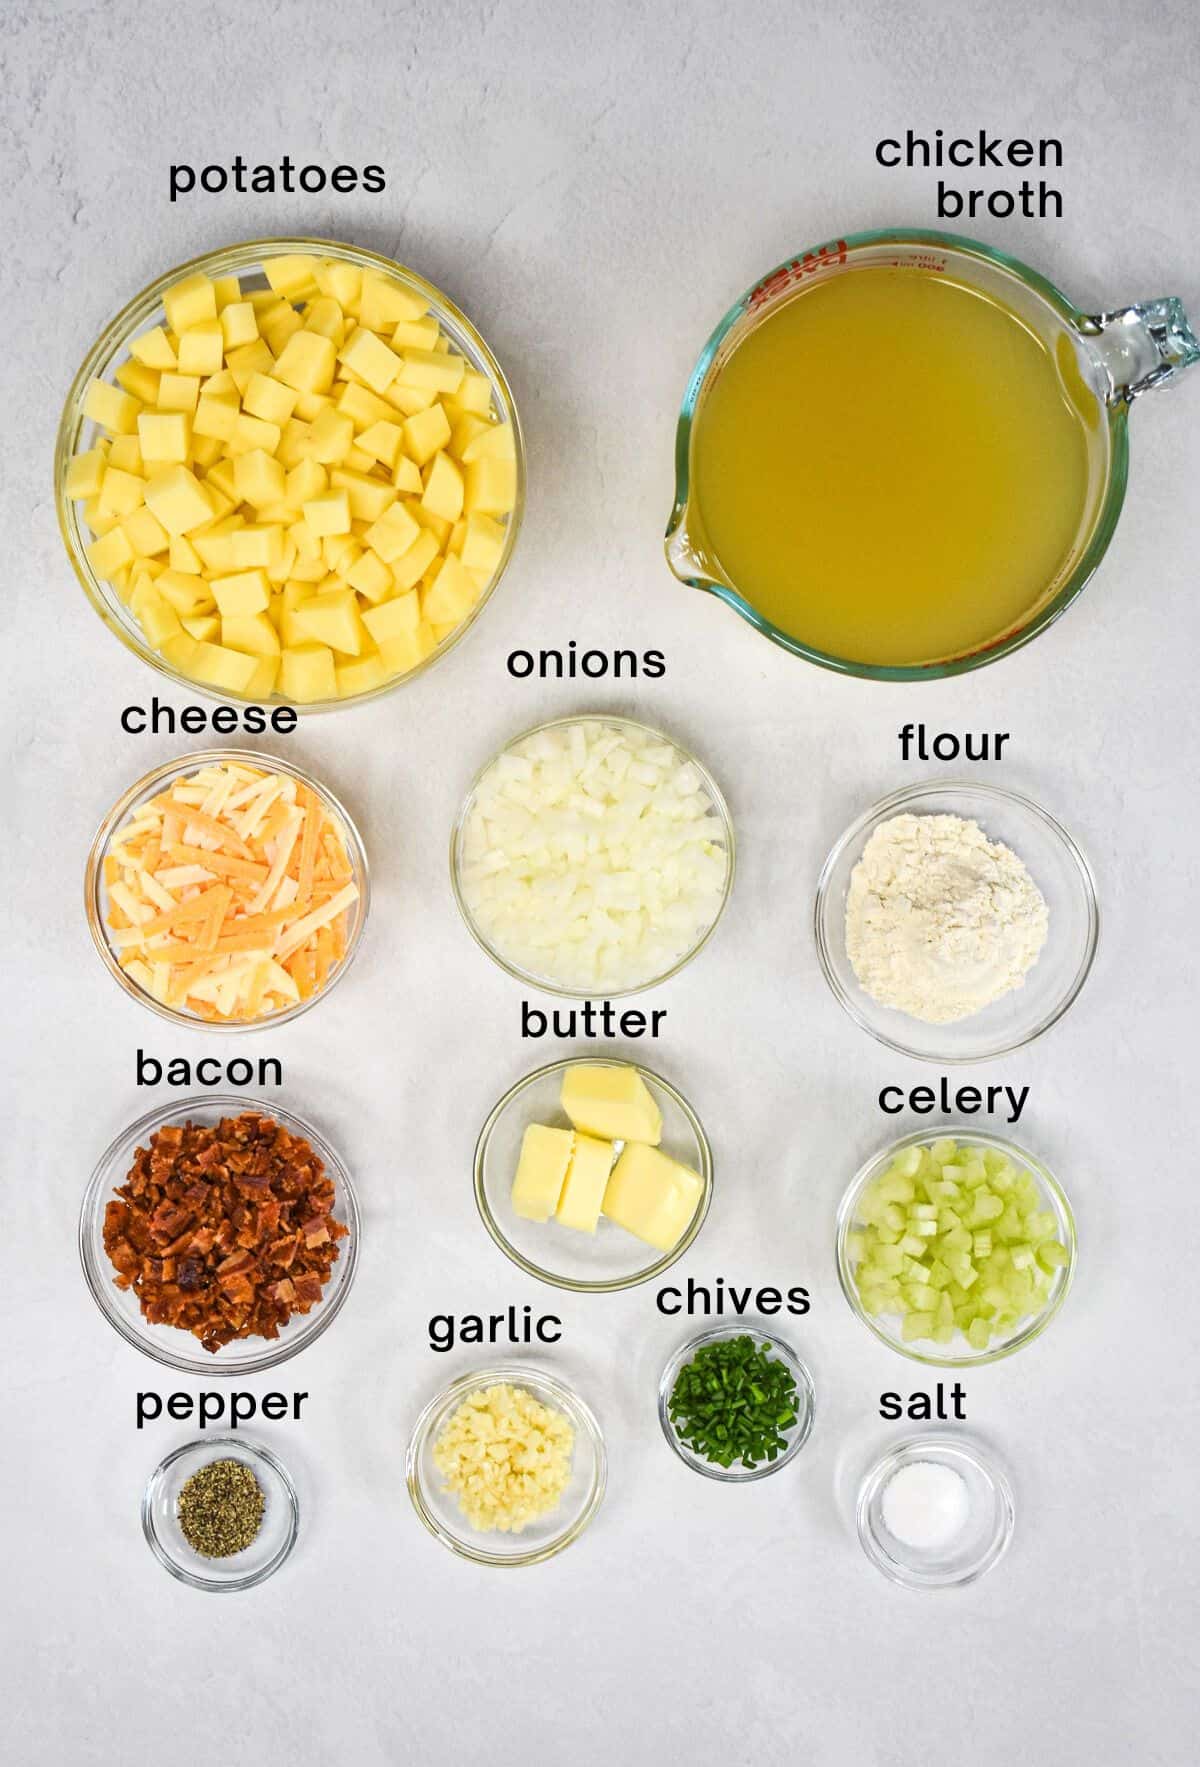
x=547 y=984
x=111 y=349
x=258 y=1561
x=958 y=1353
x=990 y=1515
x=550 y=1534
x=168 y=1344
x=1057 y=867
x=796 y=1436
x=587 y=1263
x=95 y=894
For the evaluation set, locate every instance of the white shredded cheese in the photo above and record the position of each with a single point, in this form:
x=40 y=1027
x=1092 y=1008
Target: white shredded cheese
x=592 y=857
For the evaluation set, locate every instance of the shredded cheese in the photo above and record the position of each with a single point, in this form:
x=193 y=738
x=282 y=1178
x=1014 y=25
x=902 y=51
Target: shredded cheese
x=229 y=895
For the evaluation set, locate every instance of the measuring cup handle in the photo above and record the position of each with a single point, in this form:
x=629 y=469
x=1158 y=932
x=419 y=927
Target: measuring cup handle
x=1143 y=346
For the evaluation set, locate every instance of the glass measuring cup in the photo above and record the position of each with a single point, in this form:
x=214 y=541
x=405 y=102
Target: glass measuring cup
x=1114 y=355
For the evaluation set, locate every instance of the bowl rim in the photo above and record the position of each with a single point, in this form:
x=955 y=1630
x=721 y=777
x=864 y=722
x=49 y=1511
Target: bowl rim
x=93 y=883
x=750 y=1326
x=618 y=719
x=945 y=1443
x=240 y=257
x=518 y=1374
x=890 y=805
x=608 y=1285
x=255 y=1451
x=98 y=1278
x=1052 y=1191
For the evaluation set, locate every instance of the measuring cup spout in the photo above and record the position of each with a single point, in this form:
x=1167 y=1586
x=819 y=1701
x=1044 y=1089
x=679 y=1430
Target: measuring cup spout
x=1143 y=346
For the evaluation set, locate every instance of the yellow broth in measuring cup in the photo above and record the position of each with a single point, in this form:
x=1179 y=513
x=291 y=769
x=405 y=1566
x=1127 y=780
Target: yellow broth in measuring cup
x=902 y=459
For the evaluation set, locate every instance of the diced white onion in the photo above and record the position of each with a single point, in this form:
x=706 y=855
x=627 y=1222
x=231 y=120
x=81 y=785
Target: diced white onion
x=593 y=857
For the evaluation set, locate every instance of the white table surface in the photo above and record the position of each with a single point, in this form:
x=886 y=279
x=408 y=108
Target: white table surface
x=595 y=185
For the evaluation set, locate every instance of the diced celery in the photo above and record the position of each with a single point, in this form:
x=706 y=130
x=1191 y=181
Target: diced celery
x=1051 y=1255
x=916 y=1325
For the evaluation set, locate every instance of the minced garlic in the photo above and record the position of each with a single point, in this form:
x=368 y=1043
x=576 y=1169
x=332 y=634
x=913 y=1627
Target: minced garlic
x=506 y=1457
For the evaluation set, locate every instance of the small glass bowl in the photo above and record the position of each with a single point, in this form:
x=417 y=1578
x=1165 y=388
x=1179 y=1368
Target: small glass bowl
x=167 y=1344
x=958 y=1353
x=796 y=1437
x=95 y=894
x=270 y=1547
x=550 y=1534
x=1057 y=867
x=586 y=1263
x=984 y=1539
x=111 y=349
x=546 y=984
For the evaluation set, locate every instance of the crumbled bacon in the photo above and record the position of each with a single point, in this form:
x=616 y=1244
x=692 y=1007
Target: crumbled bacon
x=224 y=1230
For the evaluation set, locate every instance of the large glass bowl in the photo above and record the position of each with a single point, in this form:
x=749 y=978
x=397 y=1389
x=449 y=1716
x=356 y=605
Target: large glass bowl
x=1057 y=867
x=242 y=1570
x=550 y=1534
x=168 y=1344
x=95 y=894
x=584 y=1262
x=958 y=1353
x=111 y=349
x=531 y=977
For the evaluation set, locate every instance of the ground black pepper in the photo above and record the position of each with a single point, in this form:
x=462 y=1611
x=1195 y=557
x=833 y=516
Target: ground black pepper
x=221 y=1509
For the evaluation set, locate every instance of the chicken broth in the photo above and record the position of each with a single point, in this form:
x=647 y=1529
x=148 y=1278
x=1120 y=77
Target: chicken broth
x=892 y=468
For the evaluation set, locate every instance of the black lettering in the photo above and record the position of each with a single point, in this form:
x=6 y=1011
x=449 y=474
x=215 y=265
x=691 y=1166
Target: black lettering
x=516 y=657
x=441 y=1332
x=312 y=179
x=953 y=155
x=212 y=1408
x=969 y=1099
x=533 y=1020
x=373 y=179
x=769 y=1300
x=988 y=150
x=243 y=1406
x=148 y=1071
x=191 y=719
x=344 y=178
x=144 y=1414
x=1045 y=197
x=262 y=180
x=694 y=1302
x=129 y=719
x=1019 y=153
x=1000 y=203
x=178 y=188
x=666 y=1294
x=255 y=720
x=549 y=1337
x=208 y=1072
x=180 y=1406
x=224 y=720
x=654 y=665
x=274 y=1406
x=913 y=145
x=471 y=1330
x=918 y=1407
x=798 y=1301
x=285 y=166
x=881 y=151
x=620 y=657
x=891 y=1109
x=922 y=1099
x=297 y=1401
x=239 y=173
x=594 y=663
x=213 y=179
x=949 y=202
x=890 y=1406
x=284 y=719
x=1044 y=147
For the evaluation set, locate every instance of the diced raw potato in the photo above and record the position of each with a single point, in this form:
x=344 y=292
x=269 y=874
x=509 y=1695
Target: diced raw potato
x=319 y=435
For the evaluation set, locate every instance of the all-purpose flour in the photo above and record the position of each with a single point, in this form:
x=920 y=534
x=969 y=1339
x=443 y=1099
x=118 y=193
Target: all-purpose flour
x=941 y=921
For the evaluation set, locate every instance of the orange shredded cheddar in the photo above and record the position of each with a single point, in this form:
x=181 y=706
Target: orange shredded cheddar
x=231 y=894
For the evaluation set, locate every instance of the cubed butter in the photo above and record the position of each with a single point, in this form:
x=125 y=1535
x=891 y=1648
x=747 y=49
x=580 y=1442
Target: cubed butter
x=651 y=1196
x=583 y=1191
x=541 y=1171
x=611 y=1099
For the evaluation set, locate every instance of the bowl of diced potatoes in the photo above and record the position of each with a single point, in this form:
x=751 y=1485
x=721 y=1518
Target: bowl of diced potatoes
x=290 y=470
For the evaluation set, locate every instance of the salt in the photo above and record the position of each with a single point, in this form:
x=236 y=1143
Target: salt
x=925 y=1505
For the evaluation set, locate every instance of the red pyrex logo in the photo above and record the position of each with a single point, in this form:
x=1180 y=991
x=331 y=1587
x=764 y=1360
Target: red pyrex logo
x=823 y=257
